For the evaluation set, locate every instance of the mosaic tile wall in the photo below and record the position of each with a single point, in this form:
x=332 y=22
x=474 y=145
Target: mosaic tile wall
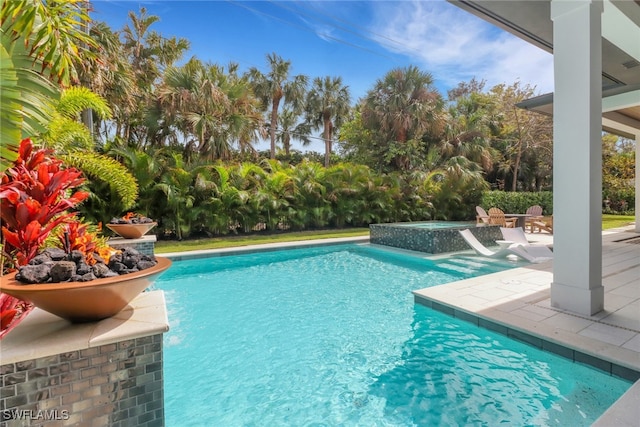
x=144 y=246
x=433 y=241
x=115 y=385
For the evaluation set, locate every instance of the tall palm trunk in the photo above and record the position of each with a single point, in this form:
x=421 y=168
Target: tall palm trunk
x=516 y=165
x=327 y=141
x=274 y=124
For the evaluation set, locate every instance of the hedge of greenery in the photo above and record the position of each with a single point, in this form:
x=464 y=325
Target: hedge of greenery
x=518 y=202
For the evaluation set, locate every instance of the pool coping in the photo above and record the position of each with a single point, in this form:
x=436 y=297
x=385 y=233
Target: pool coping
x=43 y=334
x=538 y=341
x=266 y=247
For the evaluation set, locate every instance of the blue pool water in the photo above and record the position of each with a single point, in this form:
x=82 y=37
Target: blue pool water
x=330 y=336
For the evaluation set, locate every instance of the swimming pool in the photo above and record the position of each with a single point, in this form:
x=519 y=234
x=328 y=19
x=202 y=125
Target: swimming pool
x=331 y=336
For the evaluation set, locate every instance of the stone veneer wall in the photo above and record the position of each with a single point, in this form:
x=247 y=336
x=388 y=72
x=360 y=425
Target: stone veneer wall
x=119 y=384
x=431 y=240
x=144 y=245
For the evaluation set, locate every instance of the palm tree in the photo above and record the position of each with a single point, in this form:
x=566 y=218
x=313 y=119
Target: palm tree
x=225 y=200
x=328 y=104
x=469 y=130
x=140 y=52
x=403 y=107
x=215 y=107
x=276 y=194
x=453 y=185
x=112 y=77
x=26 y=100
x=149 y=54
x=147 y=167
x=41 y=43
x=176 y=187
x=273 y=87
x=291 y=128
x=242 y=122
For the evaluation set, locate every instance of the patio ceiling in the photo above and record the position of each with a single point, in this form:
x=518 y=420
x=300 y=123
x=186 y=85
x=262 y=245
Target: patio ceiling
x=531 y=21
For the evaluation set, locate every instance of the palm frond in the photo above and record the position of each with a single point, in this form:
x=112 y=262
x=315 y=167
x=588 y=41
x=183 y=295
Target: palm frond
x=25 y=100
x=76 y=99
x=104 y=169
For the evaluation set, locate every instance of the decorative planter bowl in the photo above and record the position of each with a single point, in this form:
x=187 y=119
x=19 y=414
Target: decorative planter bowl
x=85 y=301
x=132 y=231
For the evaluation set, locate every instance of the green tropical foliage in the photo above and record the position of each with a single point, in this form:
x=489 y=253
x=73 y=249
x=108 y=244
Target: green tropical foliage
x=274 y=86
x=177 y=143
x=510 y=201
x=25 y=100
x=211 y=199
x=53 y=33
x=74 y=144
x=328 y=103
x=618 y=178
x=64 y=131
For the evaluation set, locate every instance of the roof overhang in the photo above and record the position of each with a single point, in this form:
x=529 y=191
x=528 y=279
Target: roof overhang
x=620 y=110
x=530 y=20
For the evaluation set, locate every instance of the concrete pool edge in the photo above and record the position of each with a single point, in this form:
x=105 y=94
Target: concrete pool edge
x=266 y=247
x=539 y=341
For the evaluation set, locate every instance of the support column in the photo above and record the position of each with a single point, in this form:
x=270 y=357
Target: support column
x=577 y=156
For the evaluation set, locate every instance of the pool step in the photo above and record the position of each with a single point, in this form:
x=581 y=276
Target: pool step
x=471 y=265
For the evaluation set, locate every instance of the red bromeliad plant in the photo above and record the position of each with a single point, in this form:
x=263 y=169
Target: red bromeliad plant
x=35 y=195
x=35 y=198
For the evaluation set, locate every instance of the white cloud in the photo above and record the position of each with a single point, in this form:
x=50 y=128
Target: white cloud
x=455 y=46
x=325 y=32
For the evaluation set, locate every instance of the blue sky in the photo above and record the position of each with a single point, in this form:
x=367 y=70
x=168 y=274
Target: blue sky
x=358 y=40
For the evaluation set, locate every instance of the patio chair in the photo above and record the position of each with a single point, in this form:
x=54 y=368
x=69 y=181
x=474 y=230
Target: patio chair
x=482 y=216
x=496 y=217
x=517 y=236
x=544 y=224
x=536 y=215
x=515 y=249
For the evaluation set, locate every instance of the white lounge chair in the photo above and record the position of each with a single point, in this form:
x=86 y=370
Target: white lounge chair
x=515 y=249
x=517 y=236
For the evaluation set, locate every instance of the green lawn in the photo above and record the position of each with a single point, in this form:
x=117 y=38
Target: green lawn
x=613 y=221
x=608 y=221
x=232 y=241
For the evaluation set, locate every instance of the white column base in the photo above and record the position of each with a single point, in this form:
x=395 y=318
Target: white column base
x=578 y=300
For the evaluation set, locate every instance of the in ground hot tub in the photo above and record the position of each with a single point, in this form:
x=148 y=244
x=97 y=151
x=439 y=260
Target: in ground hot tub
x=432 y=236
